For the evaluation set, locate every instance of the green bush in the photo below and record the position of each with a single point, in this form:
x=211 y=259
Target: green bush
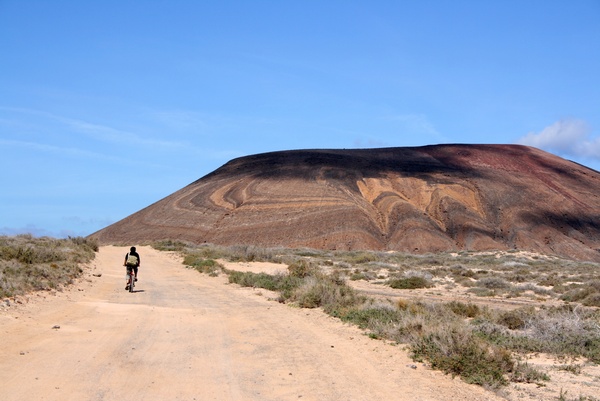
x=285 y=284
x=369 y=317
x=208 y=266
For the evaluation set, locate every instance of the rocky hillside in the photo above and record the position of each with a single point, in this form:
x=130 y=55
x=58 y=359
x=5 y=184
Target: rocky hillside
x=421 y=199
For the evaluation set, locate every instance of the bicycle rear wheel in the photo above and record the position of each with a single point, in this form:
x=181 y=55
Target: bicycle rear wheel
x=131 y=281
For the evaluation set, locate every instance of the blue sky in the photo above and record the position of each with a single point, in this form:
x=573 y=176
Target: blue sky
x=107 y=107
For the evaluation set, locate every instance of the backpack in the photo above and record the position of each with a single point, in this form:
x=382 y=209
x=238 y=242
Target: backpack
x=132 y=260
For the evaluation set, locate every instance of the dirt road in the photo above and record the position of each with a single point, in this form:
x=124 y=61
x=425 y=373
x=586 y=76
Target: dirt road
x=187 y=336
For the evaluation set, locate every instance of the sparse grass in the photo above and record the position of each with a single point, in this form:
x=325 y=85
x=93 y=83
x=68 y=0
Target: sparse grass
x=572 y=368
x=563 y=396
x=29 y=264
x=525 y=373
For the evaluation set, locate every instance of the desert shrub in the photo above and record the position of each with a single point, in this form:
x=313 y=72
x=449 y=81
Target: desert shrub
x=525 y=373
x=325 y=292
x=205 y=251
x=557 y=331
x=570 y=331
x=370 y=316
x=249 y=279
x=465 y=310
x=409 y=283
x=588 y=294
x=250 y=253
x=592 y=300
x=361 y=257
x=301 y=268
x=171 y=245
x=32 y=264
x=493 y=283
x=531 y=287
x=311 y=253
x=462 y=271
x=551 y=280
x=572 y=368
x=86 y=242
x=208 y=266
x=282 y=283
x=358 y=276
x=458 y=351
x=516 y=318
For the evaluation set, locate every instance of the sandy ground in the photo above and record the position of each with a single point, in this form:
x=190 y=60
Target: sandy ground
x=187 y=336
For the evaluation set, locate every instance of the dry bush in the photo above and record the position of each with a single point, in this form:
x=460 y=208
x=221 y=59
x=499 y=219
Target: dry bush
x=456 y=350
x=494 y=283
x=302 y=268
x=32 y=264
x=587 y=294
x=469 y=310
x=328 y=293
x=570 y=331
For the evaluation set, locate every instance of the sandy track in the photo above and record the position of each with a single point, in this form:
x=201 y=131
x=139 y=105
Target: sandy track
x=187 y=336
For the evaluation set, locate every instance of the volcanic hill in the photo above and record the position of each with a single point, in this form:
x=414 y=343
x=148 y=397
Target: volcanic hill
x=418 y=199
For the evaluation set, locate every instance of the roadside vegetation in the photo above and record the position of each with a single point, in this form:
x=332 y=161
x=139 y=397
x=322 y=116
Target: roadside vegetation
x=30 y=264
x=481 y=344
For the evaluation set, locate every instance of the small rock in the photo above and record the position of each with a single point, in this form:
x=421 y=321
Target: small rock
x=411 y=366
x=56 y=327
x=97 y=274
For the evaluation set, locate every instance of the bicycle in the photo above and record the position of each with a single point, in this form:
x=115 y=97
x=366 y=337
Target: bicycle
x=130 y=277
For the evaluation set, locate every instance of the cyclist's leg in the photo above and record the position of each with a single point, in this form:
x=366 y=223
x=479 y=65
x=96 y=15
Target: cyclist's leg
x=127 y=274
x=135 y=269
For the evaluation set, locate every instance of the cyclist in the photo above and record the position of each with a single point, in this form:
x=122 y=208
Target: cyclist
x=132 y=261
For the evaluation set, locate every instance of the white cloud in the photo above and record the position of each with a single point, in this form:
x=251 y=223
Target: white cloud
x=570 y=137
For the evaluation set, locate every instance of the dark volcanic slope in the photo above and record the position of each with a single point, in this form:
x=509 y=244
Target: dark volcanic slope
x=424 y=199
